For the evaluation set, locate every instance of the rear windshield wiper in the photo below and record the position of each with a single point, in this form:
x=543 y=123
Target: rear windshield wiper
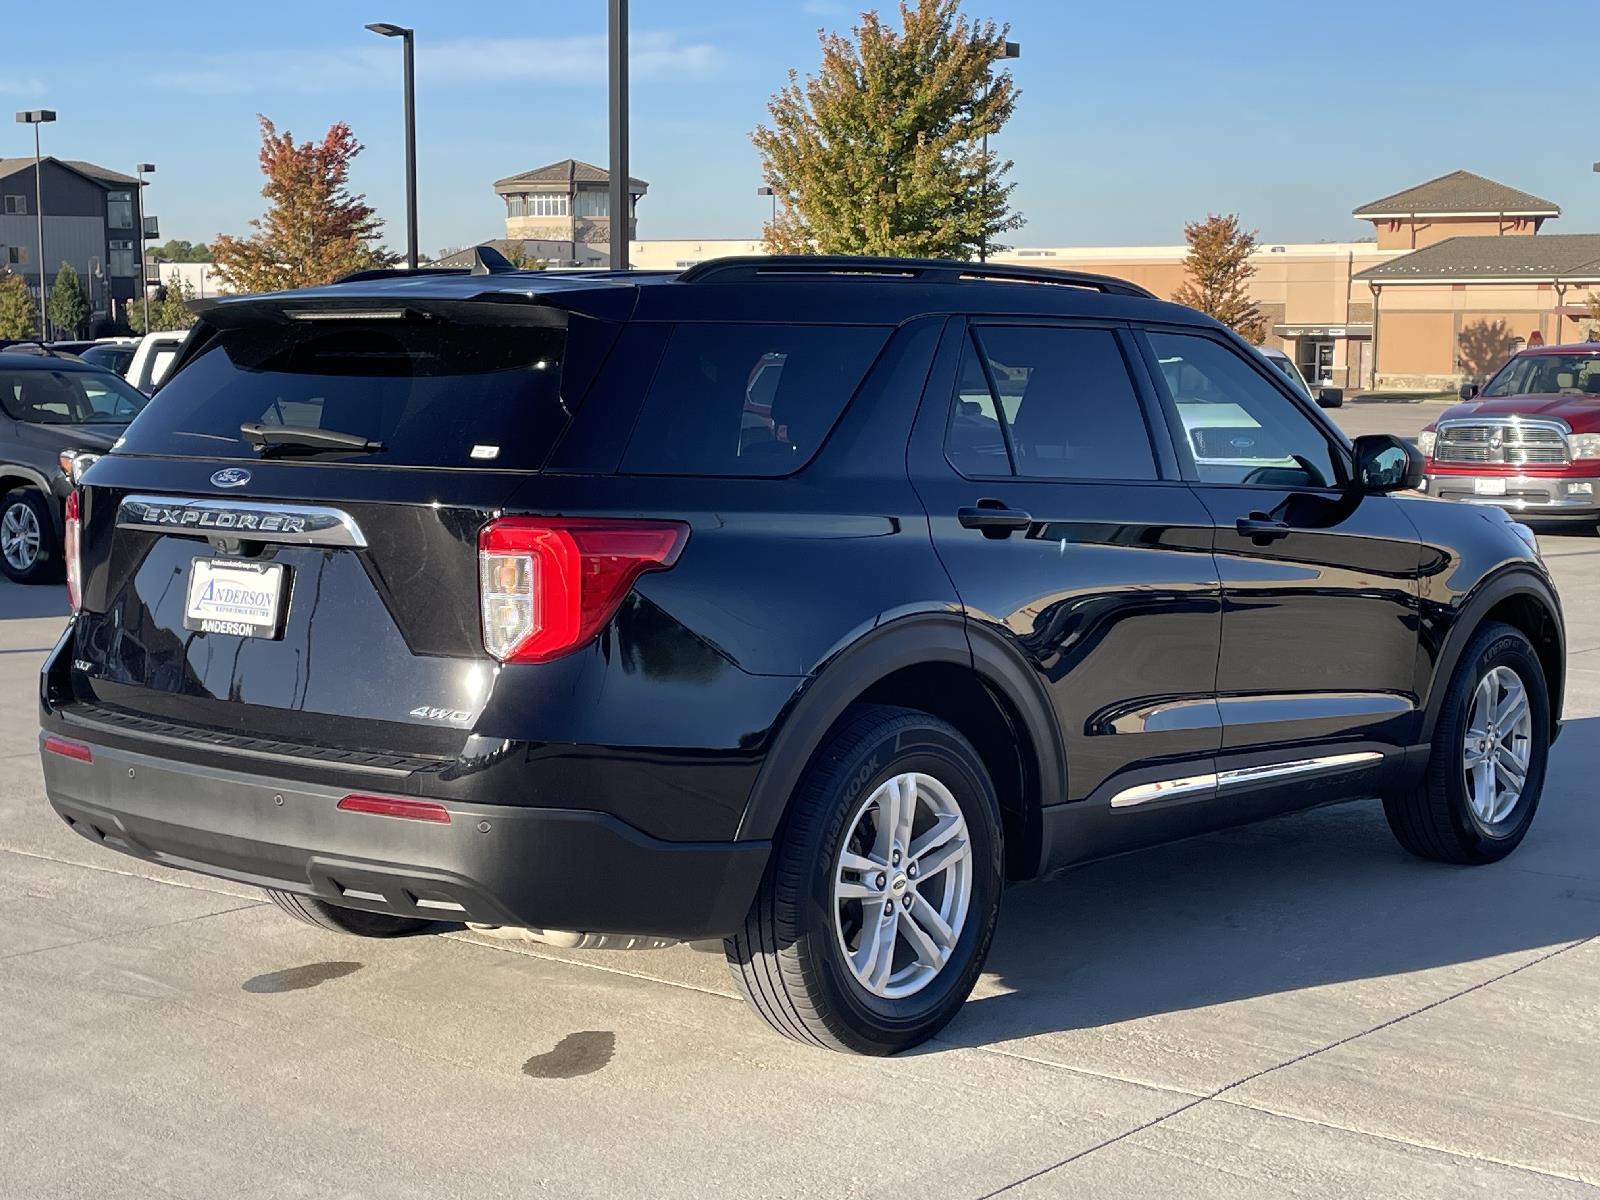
x=269 y=439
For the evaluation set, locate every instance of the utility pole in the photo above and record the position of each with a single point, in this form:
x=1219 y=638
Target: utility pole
x=621 y=199
x=144 y=284
x=37 y=117
x=1007 y=50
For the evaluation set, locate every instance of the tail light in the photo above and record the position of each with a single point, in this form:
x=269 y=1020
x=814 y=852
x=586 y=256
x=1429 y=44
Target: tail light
x=549 y=585
x=71 y=545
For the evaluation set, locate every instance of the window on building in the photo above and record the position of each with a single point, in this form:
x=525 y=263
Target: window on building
x=16 y=255
x=119 y=210
x=16 y=205
x=121 y=260
x=594 y=204
x=542 y=206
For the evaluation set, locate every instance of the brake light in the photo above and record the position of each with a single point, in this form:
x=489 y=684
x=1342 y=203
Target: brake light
x=71 y=542
x=68 y=748
x=548 y=585
x=396 y=806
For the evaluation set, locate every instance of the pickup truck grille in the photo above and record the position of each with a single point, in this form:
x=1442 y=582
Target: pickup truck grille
x=1510 y=442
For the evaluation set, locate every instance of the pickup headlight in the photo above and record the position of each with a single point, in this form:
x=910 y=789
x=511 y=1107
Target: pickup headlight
x=1425 y=441
x=1583 y=445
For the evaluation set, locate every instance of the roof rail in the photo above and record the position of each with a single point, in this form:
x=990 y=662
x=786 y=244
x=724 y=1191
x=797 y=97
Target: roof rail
x=486 y=260
x=926 y=270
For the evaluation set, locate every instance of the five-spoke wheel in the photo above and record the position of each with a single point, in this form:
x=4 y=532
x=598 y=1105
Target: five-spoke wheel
x=902 y=885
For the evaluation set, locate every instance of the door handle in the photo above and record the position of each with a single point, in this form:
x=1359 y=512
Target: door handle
x=993 y=519
x=1262 y=528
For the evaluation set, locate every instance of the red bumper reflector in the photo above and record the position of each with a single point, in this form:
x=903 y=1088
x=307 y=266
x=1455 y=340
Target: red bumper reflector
x=394 y=806
x=68 y=749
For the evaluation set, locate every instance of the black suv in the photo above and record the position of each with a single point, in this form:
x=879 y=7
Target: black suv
x=49 y=403
x=802 y=603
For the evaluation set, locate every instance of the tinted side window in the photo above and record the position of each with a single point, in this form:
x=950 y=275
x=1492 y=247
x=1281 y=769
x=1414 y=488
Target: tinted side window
x=1062 y=401
x=752 y=400
x=1237 y=427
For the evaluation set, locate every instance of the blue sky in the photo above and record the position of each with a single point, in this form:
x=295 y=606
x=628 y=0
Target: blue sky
x=1133 y=118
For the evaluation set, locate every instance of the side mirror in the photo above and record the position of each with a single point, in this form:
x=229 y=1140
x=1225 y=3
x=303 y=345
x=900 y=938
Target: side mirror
x=1385 y=463
x=1330 y=398
x=1469 y=390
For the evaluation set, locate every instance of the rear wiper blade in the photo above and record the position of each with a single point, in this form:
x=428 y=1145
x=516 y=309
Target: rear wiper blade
x=269 y=438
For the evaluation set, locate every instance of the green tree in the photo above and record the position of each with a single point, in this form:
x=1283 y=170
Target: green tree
x=314 y=230
x=68 y=307
x=178 y=250
x=1594 y=316
x=18 y=316
x=167 y=307
x=881 y=152
x=1220 y=271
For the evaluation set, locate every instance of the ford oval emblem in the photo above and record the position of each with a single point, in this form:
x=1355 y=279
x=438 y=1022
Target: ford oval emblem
x=230 y=477
x=1238 y=443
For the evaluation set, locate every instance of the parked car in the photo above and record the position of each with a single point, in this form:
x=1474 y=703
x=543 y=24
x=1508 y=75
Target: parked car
x=49 y=403
x=498 y=597
x=1528 y=441
x=114 y=354
x=1324 y=397
x=153 y=358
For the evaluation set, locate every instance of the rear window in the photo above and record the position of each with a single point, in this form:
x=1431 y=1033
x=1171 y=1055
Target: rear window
x=44 y=397
x=747 y=400
x=435 y=392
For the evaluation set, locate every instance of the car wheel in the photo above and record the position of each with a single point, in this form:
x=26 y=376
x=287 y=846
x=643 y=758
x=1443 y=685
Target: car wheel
x=1490 y=748
x=28 y=552
x=354 y=921
x=879 y=903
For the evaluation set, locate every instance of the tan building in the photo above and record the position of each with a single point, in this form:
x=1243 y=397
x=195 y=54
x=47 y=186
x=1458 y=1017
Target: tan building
x=1456 y=277
x=559 y=214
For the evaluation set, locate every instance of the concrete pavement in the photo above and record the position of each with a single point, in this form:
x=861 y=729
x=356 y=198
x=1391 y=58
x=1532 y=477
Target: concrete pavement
x=1296 y=1008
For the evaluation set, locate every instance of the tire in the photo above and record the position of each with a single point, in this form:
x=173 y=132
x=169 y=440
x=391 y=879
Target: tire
x=28 y=549
x=1438 y=819
x=354 y=921
x=791 y=959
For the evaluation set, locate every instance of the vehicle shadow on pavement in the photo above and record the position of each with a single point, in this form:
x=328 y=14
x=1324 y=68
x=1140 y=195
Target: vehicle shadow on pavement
x=25 y=601
x=1318 y=898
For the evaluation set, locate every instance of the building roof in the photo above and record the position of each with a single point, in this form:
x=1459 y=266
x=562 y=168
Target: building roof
x=1459 y=194
x=1542 y=257
x=10 y=166
x=567 y=171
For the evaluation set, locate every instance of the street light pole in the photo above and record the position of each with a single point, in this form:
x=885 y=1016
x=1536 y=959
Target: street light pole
x=37 y=117
x=1007 y=50
x=409 y=46
x=144 y=285
x=773 y=192
x=621 y=192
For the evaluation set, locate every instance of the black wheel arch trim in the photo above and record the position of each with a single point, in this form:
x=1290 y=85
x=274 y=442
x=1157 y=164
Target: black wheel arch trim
x=904 y=642
x=1517 y=579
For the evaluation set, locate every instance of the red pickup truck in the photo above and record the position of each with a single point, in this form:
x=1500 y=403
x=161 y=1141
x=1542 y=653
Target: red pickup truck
x=1528 y=441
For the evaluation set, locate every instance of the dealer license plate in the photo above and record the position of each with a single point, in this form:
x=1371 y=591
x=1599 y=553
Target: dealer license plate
x=1490 y=487
x=244 y=599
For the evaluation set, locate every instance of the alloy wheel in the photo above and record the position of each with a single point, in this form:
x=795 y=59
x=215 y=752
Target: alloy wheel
x=902 y=885
x=19 y=536
x=1497 y=747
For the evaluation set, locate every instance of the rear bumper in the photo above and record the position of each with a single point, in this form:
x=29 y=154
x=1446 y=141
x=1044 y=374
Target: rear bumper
x=544 y=868
x=1535 y=495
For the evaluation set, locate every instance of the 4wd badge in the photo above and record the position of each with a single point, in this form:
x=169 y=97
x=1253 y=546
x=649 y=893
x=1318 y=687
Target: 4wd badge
x=453 y=716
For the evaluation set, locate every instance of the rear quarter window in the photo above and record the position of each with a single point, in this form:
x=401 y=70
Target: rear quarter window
x=747 y=400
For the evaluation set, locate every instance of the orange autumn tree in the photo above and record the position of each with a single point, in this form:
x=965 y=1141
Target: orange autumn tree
x=314 y=230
